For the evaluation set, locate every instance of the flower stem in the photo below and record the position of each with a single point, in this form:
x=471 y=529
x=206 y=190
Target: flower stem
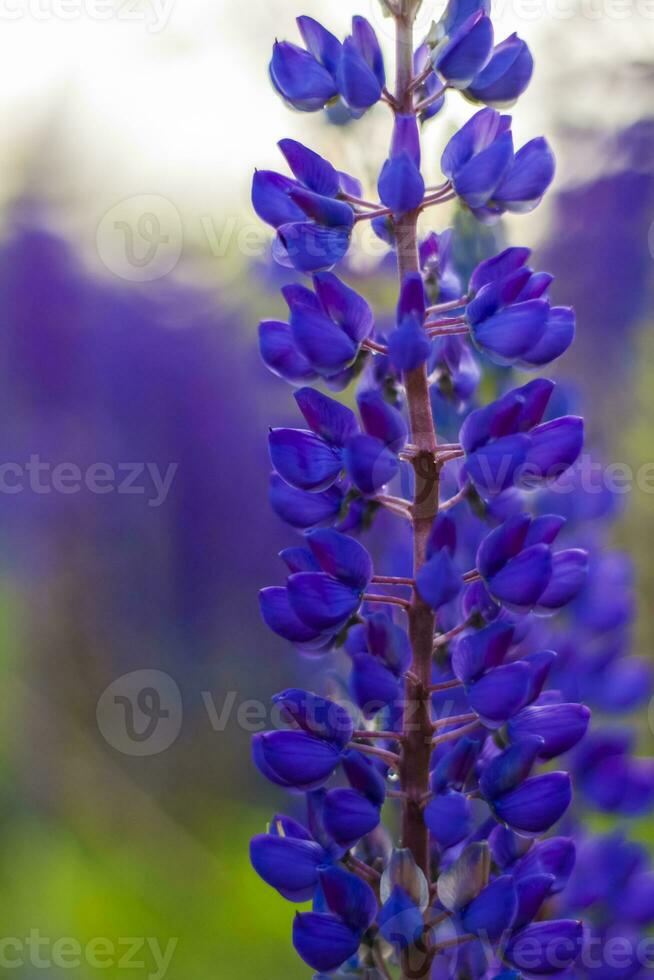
x=392 y=599
x=416 y=748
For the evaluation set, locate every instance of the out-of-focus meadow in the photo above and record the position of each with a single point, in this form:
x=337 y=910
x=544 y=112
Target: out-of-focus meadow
x=132 y=278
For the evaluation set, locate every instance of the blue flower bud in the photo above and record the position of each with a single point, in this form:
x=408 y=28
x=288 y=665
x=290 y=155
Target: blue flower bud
x=467 y=51
x=294 y=759
x=449 y=818
x=493 y=911
x=544 y=948
x=560 y=726
x=299 y=78
x=438 y=581
x=281 y=354
x=506 y=76
x=369 y=463
x=349 y=897
x=302 y=509
x=315 y=715
x=288 y=864
x=349 y=816
x=323 y=940
x=400 y=920
x=303 y=459
x=536 y=804
x=320 y=601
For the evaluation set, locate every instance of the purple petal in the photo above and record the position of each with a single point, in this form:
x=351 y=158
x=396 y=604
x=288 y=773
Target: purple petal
x=302 y=509
x=537 y=804
x=323 y=941
x=279 y=352
x=344 y=306
x=287 y=864
x=294 y=759
x=342 y=557
x=449 y=818
x=477 y=180
x=328 y=418
x=493 y=911
x=358 y=84
x=481 y=650
x=279 y=616
x=546 y=947
x=555 y=446
x=508 y=769
x=506 y=76
x=523 y=580
x=321 y=43
x=312 y=170
x=367 y=43
x=315 y=715
x=506 y=335
x=309 y=247
x=401 y=186
x=560 y=726
x=369 y=463
x=529 y=177
x=439 y=581
x=492 y=467
x=320 y=601
x=468 y=51
x=303 y=459
x=500 y=693
x=299 y=78
x=382 y=420
x=569 y=575
x=270 y=198
x=348 y=816
x=556 y=339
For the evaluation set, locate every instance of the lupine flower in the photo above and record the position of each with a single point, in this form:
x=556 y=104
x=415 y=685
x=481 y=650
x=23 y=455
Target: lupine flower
x=306 y=756
x=313 y=77
x=401 y=187
x=505 y=76
x=313 y=226
x=494 y=684
x=326 y=939
x=381 y=655
x=313 y=460
x=519 y=569
x=361 y=74
x=409 y=345
x=488 y=175
x=306 y=78
x=506 y=443
x=324 y=334
x=510 y=317
x=460 y=58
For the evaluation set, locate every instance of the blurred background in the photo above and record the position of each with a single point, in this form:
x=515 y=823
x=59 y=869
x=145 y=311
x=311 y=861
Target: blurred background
x=134 y=525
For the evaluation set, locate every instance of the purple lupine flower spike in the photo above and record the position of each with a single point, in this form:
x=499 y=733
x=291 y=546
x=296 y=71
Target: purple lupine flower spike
x=450 y=687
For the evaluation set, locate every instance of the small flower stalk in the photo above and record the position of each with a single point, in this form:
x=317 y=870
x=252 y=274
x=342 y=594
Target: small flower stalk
x=438 y=833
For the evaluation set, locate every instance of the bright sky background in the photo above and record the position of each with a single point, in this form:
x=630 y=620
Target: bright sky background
x=101 y=100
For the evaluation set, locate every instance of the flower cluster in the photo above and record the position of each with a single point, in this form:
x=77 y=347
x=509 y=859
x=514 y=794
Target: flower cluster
x=474 y=669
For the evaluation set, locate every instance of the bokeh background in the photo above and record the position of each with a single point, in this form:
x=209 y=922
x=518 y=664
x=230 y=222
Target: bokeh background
x=132 y=278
